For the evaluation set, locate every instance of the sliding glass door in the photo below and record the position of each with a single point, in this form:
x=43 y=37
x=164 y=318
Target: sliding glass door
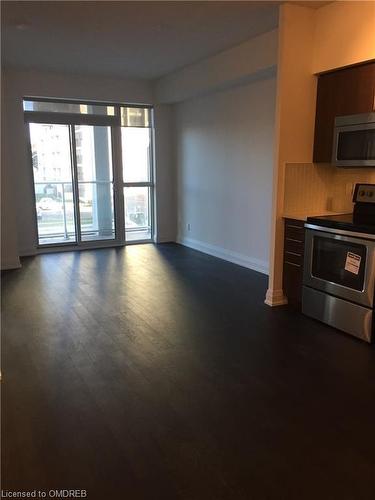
x=93 y=173
x=93 y=153
x=73 y=183
x=53 y=183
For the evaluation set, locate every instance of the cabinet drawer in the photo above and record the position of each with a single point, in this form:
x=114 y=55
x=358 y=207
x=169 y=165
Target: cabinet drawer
x=293 y=258
x=294 y=246
x=291 y=245
x=294 y=233
x=295 y=223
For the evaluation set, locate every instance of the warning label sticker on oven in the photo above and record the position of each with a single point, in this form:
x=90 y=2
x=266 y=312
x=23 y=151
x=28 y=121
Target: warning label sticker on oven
x=353 y=261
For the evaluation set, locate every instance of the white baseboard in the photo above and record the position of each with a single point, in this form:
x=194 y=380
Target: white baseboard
x=222 y=253
x=275 y=298
x=14 y=264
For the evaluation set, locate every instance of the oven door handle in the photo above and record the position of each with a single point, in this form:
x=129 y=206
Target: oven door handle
x=354 y=234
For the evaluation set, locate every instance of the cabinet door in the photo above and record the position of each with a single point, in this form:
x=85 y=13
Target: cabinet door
x=348 y=91
x=355 y=90
x=325 y=117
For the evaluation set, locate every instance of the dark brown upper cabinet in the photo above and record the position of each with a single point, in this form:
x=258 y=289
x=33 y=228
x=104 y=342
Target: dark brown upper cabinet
x=348 y=91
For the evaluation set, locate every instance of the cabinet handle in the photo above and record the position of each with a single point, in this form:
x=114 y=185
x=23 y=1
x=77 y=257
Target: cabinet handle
x=293 y=253
x=293 y=226
x=296 y=241
x=292 y=263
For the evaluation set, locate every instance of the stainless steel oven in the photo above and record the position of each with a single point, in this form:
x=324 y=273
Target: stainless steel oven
x=339 y=274
x=354 y=141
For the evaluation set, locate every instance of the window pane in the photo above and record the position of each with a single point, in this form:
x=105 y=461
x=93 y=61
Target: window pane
x=136 y=154
x=137 y=213
x=94 y=153
x=135 y=117
x=68 y=107
x=96 y=211
x=95 y=174
x=50 y=147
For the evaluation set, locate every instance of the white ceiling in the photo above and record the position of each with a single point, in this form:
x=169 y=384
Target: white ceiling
x=126 y=39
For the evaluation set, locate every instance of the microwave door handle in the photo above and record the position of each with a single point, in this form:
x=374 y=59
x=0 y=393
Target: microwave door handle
x=336 y=136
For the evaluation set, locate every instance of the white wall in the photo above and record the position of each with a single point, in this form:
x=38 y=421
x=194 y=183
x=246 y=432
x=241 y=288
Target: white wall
x=344 y=34
x=19 y=235
x=9 y=236
x=294 y=123
x=246 y=62
x=166 y=223
x=224 y=150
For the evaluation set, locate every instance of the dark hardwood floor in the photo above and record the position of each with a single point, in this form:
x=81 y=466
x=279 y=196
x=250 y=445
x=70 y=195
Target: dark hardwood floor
x=157 y=372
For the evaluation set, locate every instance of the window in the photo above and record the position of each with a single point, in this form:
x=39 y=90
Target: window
x=83 y=176
x=95 y=182
x=67 y=107
x=136 y=142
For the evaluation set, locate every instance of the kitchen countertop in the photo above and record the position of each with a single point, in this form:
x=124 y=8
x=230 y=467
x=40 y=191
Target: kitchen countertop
x=303 y=215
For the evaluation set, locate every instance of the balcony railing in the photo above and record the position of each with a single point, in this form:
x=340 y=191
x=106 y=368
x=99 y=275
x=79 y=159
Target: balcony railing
x=55 y=214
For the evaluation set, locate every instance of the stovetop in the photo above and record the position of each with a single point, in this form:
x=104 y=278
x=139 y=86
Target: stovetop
x=347 y=222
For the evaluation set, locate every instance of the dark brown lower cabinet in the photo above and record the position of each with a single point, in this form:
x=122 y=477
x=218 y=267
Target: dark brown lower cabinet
x=294 y=246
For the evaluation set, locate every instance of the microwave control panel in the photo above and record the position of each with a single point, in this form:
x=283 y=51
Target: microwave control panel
x=364 y=193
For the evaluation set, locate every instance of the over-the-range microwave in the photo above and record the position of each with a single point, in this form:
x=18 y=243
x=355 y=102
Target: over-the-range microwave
x=354 y=141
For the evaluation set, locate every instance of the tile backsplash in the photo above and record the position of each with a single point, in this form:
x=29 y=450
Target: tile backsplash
x=313 y=187
x=344 y=179
x=306 y=187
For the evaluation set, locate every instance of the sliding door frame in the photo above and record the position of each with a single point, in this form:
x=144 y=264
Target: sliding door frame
x=48 y=247
x=73 y=159
x=117 y=185
x=114 y=122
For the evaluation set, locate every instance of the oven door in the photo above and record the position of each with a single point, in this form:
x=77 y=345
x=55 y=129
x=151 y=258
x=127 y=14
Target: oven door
x=354 y=146
x=340 y=265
